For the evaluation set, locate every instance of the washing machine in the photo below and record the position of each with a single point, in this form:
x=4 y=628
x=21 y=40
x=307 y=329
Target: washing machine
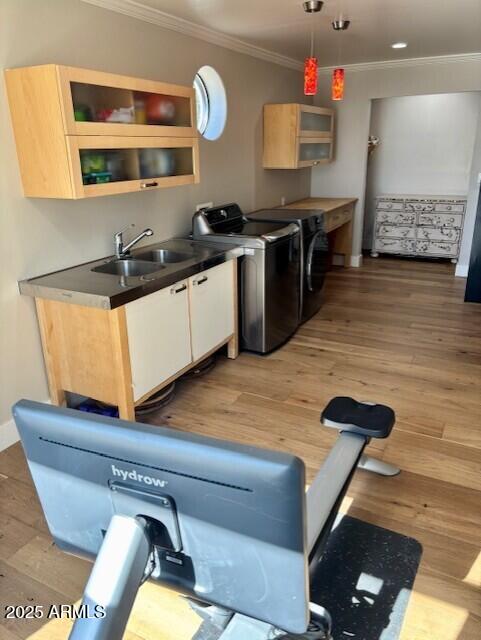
x=269 y=272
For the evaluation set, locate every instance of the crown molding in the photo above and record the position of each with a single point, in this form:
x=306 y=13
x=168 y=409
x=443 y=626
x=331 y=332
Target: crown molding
x=173 y=23
x=405 y=62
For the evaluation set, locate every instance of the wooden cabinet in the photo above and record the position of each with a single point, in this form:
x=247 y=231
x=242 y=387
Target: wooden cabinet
x=158 y=331
x=82 y=133
x=297 y=135
x=338 y=215
x=123 y=356
x=211 y=309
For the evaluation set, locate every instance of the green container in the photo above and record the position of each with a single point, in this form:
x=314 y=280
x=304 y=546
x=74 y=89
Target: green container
x=93 y=163
x=82 y=113
x=97 y=178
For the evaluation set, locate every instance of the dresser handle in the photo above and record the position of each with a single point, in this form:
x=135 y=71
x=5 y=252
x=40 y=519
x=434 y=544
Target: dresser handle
x=145 y=185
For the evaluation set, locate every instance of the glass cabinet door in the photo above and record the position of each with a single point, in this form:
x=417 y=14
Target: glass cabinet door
x=94 y=103
x=97 y=103
x=316 y=124
x=313 y=152
x=118 y=168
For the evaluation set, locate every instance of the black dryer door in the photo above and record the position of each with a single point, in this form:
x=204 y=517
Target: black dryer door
x=316 y=267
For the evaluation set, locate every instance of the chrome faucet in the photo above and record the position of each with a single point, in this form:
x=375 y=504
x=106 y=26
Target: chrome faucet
x=123 y=251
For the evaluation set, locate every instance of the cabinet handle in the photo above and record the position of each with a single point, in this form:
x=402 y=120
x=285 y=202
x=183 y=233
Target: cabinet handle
x=175 y=290
x=201 y=280
x=145 y=185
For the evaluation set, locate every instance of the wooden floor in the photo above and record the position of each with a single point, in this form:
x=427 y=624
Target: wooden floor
x=394 y=331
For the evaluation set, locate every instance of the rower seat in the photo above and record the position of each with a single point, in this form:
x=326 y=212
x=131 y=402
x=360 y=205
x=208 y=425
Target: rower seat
x=364 y=418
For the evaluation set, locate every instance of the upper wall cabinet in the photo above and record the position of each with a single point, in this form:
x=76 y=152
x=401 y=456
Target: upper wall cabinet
x=82 y=133
x=297 y=135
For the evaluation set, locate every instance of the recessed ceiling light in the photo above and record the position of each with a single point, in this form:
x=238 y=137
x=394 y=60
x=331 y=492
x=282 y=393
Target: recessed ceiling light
x=399 y=45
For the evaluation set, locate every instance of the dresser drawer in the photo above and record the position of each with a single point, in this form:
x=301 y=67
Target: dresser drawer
x=419 y=206
x=441 y=220
x=445 y=234
x=388 y=245
x=336 y=218
x=387 y=205
x=449 y=207
x=438 y=249
x=393 y=217
x=395 y=231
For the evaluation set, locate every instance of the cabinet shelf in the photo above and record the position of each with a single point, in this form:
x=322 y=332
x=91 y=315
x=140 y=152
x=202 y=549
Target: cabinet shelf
x=134 y=163
x=82 y=133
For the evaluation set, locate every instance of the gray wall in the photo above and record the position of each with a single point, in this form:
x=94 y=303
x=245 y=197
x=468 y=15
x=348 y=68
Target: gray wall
x=426 y=147
x=38 y=236
x=347 y=175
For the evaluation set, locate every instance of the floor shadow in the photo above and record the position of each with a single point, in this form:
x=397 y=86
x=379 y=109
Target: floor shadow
x=365 y=579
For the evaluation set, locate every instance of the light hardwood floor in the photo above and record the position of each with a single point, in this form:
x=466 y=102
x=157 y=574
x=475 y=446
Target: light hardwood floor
x=394 y=331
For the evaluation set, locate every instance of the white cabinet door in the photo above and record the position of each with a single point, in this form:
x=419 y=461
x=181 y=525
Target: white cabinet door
x=159 y=337
x=212 y=307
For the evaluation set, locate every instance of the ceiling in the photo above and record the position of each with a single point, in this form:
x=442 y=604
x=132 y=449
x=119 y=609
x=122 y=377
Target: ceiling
x=430 y=27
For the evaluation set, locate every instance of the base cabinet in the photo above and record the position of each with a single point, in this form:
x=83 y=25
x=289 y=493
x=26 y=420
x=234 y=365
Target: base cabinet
x=211 y=308
x=158 y=331
x=123 y=356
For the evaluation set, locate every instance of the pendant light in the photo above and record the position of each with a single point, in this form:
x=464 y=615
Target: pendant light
x=310 y=63
x=337 y=85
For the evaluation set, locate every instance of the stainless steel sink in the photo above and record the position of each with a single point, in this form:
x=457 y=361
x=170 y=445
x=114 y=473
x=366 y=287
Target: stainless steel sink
x=164 y=256
x=130 y=267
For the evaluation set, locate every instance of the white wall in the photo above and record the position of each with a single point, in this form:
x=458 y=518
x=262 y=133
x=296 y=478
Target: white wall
x=426 y=147
x=39 y=236
x=347 y=175
x=473 y=197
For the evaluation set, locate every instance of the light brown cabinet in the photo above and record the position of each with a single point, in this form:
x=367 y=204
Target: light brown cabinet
x=297 y=136
x=124 y=355
x=82 y=133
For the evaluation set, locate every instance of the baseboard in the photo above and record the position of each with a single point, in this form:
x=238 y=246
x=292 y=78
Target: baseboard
x=338 y=260
x=8 y=434
x=356 y=261
x=462 y=270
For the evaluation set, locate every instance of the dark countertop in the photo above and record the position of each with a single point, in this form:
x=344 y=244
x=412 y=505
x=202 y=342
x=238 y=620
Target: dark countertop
x=79 y=285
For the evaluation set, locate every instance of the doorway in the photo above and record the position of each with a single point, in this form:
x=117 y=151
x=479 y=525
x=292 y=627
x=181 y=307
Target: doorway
x=418 y=176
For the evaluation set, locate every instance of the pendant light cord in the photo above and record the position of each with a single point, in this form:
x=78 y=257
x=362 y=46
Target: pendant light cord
x=339 y=36
x=312 y=36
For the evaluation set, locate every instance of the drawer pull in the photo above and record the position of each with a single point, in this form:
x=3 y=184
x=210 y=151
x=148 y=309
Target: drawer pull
x=176 y=290
x=145 y=185
x=201 y=280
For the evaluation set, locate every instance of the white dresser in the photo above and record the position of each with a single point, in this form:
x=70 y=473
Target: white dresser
x=428 y=226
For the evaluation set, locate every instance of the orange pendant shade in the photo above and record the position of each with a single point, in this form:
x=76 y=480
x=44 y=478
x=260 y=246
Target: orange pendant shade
x=337 y=88
x=310 y=76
